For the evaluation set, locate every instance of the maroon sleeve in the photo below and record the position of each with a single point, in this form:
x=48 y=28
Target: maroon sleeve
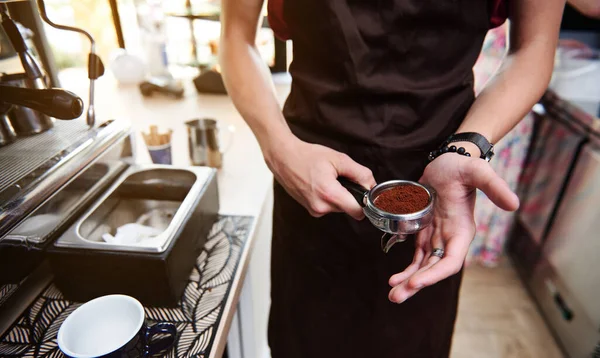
x=499 y=12
x=276 y=20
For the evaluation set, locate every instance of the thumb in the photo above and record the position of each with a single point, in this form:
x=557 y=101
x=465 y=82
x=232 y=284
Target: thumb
x=481 y=175
x=350 y=169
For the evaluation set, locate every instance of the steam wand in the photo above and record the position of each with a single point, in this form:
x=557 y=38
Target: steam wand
x=95 y=66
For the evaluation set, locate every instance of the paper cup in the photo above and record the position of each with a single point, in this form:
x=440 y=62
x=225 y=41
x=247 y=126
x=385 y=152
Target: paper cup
x=160 y=154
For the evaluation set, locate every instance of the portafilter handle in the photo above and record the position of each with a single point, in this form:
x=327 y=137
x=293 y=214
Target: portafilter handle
x=357 y=190
x=55 y=102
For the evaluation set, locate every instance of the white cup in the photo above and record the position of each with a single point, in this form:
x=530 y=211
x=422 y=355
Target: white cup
x=109 y=326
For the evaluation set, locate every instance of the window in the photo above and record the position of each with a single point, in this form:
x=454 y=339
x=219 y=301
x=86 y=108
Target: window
x=191 y=30
x=71 y=49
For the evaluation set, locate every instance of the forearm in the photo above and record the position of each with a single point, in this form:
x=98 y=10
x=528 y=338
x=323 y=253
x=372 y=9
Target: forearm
x=249 y=84
x=247 y=77
x=510 y=95
x=524 y=74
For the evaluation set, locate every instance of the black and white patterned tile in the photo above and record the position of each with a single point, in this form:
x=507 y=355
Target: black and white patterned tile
x=6 y=291
x=197 y=316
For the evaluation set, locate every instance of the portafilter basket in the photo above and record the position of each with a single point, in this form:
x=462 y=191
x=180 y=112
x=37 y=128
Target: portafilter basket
x=396 y=227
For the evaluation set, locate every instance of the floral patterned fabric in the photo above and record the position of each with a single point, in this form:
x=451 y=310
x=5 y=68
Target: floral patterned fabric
x=493 y=223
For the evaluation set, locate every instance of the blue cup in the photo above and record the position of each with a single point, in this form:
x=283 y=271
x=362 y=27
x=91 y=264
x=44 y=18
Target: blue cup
x=113 y=326
x=160 y=154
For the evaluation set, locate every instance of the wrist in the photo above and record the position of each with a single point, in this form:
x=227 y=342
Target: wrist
x=470 y=144
x=275 y=146
x=470 y=148
x=485 y=149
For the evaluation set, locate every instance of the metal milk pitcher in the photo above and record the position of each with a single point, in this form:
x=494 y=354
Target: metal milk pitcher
x=205 y=146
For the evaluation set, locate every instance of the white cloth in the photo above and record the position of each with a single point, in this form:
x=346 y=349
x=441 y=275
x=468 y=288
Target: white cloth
x=132 y=234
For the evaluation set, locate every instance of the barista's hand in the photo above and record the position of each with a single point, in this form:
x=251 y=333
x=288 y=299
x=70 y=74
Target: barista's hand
x=309 y=174
x=455 y=178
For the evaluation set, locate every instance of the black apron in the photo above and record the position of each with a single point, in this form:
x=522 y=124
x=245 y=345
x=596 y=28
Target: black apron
x=384 y=81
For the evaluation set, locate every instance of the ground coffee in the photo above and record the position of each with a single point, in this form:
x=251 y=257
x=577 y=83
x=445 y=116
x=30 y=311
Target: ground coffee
x=402 y=199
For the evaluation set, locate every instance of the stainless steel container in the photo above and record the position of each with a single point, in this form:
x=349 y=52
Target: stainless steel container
x=205 y=147
x=60 y=191
x=396 y=227
x=182 y=203
x=397 y=224
x=46 y=180
x=139 y=190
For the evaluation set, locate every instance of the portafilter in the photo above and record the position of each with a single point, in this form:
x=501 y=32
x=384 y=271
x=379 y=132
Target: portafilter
x=396 y=227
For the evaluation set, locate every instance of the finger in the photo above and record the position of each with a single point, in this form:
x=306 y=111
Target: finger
x=418 y=258
x=405 y=289
x=316 y=205
x=481 y=175
x=319 y=208
x=340 y=198
x=424 y=238
x=436 y=242
x=422 y=247
x=350 y=169
x=450 y=264
x=433 y=270
x=400 y=294
x=409 y=287
x=429 y=260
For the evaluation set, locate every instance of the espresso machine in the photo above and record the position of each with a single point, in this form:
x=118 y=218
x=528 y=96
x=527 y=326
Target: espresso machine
x=27 y=106
x=63 y=189
x=38 y=155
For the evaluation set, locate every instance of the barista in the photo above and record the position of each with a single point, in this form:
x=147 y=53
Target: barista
x=377 y=86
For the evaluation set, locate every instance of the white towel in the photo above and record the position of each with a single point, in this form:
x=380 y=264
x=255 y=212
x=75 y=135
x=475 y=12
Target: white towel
x=132 y=234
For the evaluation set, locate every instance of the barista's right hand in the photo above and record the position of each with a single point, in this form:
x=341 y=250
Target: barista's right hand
x=309 y=174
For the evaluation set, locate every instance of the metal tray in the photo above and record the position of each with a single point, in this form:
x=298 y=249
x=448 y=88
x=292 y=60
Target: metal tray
x=35 y=168
x=45 y=220
x=140 y=190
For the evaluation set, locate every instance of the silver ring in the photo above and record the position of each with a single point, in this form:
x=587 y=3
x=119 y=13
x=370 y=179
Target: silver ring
x=437 y=252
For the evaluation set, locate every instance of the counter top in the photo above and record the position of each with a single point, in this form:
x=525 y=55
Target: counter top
x=200 y=318
x=244 y=179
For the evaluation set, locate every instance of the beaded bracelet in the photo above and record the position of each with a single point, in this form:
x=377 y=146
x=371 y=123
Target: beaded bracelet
x=452 y=149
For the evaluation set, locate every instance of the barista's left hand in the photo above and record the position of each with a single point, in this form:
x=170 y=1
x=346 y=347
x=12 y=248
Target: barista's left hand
x=455 y=179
